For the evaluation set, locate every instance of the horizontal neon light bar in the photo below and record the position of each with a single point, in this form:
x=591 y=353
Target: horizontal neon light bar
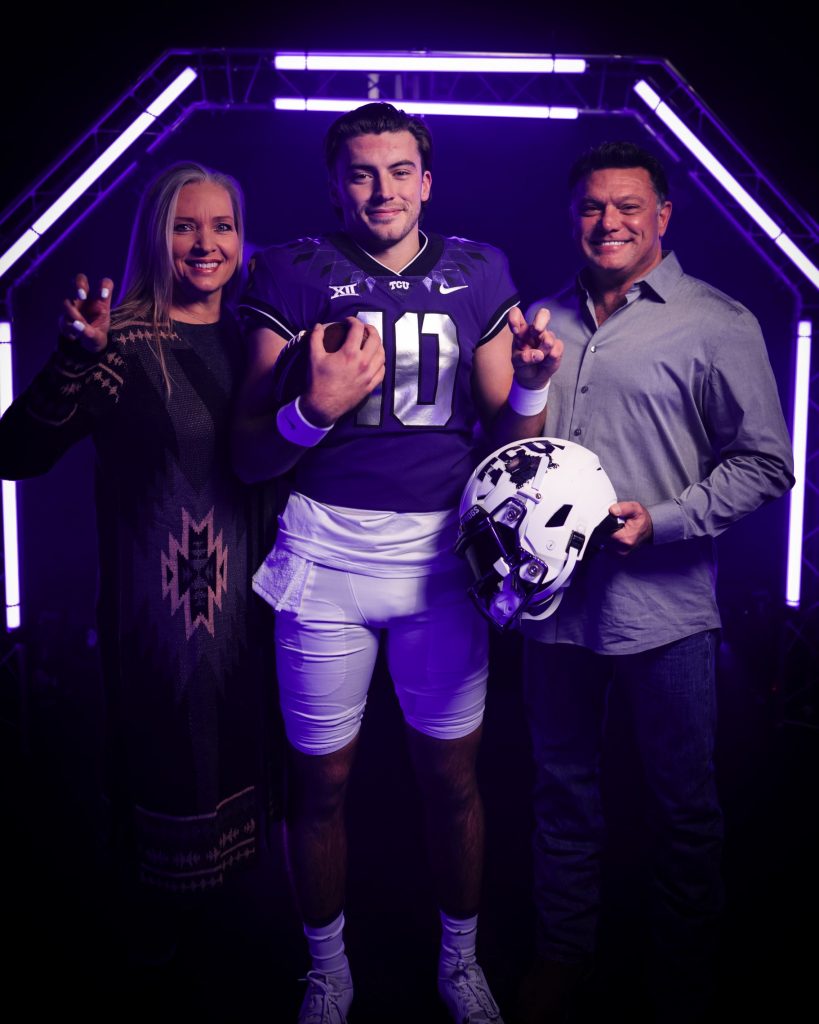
x=97 y=168
x=799 y=434
x=432 y=107
x=427 y=62
x=727 y=180
x=9 y=492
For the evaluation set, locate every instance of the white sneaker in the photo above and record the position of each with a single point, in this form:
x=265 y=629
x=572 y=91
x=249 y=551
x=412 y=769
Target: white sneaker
x=467 y=996
x=327 y=999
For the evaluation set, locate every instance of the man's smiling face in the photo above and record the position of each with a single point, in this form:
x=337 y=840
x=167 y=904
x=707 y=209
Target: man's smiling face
x=619 y=223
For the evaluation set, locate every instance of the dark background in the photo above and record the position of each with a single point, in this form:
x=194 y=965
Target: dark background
x=65 y=68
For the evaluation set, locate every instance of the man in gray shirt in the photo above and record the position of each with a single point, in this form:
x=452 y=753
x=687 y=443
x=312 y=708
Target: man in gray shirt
x=668 y=381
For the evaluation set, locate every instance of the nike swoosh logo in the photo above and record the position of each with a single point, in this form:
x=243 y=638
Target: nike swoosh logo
x=445 y=289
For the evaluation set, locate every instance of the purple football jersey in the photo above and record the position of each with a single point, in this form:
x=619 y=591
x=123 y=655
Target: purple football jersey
x=408 y=446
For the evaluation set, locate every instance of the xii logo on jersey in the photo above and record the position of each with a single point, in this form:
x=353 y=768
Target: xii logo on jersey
x=340 y=291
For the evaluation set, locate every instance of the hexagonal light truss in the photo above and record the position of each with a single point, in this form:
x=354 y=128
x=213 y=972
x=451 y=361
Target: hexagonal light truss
x=472 y=84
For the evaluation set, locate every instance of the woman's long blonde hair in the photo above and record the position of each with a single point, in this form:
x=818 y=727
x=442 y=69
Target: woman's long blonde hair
x=149 y=276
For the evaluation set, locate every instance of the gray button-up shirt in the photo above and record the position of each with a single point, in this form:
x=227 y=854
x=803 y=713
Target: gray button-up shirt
x=675 y=395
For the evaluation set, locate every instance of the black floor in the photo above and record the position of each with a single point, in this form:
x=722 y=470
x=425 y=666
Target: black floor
x=242 y=951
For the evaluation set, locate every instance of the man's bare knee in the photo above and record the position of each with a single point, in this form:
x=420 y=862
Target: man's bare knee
x=318 y=782
x=446 y=769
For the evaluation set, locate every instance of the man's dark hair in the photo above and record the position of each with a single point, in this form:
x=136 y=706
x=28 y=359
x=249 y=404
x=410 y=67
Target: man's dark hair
x=373 y=119
x=620 y=154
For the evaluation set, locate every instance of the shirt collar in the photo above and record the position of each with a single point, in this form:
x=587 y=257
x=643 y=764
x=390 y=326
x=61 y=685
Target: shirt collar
x=660 y=282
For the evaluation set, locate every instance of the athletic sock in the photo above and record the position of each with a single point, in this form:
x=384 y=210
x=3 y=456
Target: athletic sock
x=326 y=945
x=458 y=937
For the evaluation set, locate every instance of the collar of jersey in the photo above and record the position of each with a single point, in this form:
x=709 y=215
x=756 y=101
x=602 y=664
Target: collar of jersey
x=420 y=266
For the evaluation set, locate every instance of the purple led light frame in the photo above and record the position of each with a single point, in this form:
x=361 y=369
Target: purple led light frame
x=9 y=491
x=434 y=107
x=96 y=169
x=430 y=61
x=545 y=87
x=773 y=230
x=799 y=433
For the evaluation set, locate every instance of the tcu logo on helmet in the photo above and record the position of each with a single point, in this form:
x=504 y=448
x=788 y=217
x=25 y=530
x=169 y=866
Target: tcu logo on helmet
x=515 y=461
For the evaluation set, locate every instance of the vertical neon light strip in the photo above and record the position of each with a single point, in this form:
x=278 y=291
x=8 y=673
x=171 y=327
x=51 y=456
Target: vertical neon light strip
x=801 y=390
x=10 y=555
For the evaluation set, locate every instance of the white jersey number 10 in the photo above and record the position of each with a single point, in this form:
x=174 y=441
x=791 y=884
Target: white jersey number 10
x=406 y=400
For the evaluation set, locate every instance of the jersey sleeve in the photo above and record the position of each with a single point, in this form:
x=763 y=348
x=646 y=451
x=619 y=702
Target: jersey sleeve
x=281 y=294
x=498 y=290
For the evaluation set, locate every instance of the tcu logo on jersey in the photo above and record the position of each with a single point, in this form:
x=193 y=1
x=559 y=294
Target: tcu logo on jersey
x=341 y=290
x=399 y=284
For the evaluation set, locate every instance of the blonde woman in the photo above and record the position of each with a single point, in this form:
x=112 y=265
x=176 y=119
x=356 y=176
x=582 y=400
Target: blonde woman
x=151 y=383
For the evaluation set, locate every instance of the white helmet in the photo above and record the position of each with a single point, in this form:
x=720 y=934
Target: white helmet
x=527 y=516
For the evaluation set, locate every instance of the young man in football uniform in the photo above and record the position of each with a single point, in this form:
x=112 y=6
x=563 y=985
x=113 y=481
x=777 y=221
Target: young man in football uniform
x=379 y=435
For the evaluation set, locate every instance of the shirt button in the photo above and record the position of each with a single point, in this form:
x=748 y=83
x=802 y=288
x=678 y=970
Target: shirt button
x=577 y=432
x=584 y=389
x=592 y=348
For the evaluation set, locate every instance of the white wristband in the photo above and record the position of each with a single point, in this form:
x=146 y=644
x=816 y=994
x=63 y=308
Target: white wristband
x=295 y=428
x=527 y=401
